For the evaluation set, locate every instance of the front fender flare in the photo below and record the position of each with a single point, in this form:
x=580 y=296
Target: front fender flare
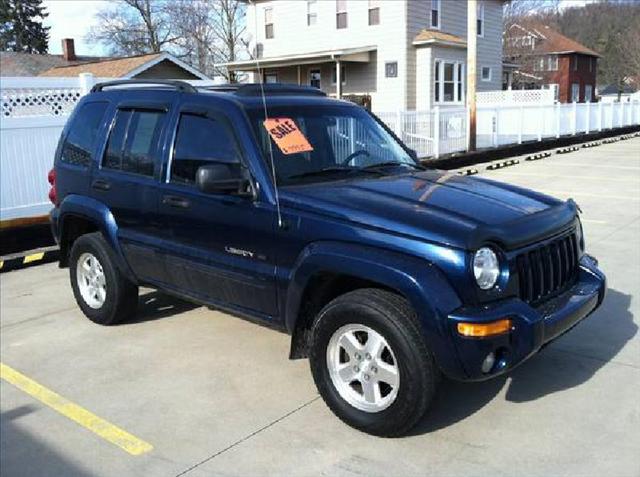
x=419 y=281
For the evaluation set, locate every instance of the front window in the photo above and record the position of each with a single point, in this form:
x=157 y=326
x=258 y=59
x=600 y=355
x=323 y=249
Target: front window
x=553 y=63
x=271 y=78
x=268 y=23
x=343 y=76
x=312 y=12
x=449 y=82
x=374 y=12
x=340 y=142
x=575 y=92
x=574 y=62
x=486 y=73
x=435 y=13
x=538 y=64
x=588 y=93
x=480 y=19
x=315 y=78
x=341 y=14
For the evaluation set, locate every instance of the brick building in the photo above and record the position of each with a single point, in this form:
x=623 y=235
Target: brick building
x=550 y=60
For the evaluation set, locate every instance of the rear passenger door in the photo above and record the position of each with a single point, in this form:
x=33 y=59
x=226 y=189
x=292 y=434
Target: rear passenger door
x=127 y=182
x=221 y=244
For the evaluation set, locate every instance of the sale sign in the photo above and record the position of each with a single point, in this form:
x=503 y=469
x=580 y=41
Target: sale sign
x=287 y=136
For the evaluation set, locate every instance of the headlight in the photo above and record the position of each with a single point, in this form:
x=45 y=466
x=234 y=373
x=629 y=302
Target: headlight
x=486 y=268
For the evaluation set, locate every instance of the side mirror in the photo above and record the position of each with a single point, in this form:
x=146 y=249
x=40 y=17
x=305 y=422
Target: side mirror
x=222 y=178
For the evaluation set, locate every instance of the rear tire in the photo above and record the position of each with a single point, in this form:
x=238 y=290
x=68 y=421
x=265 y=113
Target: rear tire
x=103 y=293
x=383 y=393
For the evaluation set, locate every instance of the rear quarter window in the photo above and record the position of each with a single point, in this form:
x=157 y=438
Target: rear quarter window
x=79 y=144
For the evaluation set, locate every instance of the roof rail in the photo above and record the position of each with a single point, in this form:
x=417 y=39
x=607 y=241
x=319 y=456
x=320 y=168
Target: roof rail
x=182 y=86
x=256 y=89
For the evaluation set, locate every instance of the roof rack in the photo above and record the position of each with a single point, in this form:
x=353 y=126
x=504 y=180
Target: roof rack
x=256 y=89
x=182 y=86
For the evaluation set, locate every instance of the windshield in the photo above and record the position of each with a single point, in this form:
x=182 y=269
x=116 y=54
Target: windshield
x=334 y=141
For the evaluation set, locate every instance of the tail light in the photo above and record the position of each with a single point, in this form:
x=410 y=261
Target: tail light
x=53 y=193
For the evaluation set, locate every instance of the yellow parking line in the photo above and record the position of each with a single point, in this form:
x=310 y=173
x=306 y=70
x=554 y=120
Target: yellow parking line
x=33 y=257
x=86 y=419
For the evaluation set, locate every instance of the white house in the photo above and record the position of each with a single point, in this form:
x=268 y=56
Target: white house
x=403 y=54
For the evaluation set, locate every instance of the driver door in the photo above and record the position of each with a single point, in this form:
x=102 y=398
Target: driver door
x=219 y=246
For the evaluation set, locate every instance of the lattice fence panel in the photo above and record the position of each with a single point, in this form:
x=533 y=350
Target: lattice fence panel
x=38 y=102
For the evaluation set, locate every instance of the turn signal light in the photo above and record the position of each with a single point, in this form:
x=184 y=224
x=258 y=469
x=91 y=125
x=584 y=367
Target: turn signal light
x=482 y=330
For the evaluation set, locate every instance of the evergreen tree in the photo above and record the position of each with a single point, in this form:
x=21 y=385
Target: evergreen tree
x=21 y=26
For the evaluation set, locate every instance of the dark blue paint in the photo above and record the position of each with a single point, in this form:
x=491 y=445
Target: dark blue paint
x=414 y=232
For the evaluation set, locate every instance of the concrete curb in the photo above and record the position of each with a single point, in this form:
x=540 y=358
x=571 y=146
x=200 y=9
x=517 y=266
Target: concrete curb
x=20 y=260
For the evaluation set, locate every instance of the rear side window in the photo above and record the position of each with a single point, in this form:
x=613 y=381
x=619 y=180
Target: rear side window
x=199 y=141
x=133 y=141
x=83 y=131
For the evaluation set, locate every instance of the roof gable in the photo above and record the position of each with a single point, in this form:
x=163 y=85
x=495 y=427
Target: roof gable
x=548 y=40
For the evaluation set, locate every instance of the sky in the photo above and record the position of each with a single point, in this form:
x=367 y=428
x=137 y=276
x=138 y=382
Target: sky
x=74 y=18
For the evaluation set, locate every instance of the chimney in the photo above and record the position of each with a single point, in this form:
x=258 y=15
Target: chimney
x=68 y=50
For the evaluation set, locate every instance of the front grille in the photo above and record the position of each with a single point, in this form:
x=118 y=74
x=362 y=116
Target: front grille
x=547 y=270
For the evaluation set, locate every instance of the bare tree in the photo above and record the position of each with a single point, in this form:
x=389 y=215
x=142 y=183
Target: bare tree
x=133 y=27
x=210 y=33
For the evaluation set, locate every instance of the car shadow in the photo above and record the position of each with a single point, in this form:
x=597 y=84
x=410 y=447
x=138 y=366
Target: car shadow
x=154 y=305
x=568 y=362
x=25 y=453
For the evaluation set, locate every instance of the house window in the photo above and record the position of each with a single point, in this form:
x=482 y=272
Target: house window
x=486 y=73
x=341 y=14
x=271 y=77
x=480 y=20
x=588 y=93
x=575 y=92
x=268 y=22
x=343 y=76
x=374 y=12
x=435 y=14
x=538 y=64
x=391 y=69
x=591 y=62
x=314 y=78
x=449 y=82
x=574 y=62
x=312 y=12
x=553 y=63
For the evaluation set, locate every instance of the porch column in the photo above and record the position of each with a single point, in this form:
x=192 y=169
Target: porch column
x=338 y=80
x=299 y=76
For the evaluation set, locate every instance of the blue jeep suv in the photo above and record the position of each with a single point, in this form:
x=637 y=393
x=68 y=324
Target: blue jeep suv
x=280 y=205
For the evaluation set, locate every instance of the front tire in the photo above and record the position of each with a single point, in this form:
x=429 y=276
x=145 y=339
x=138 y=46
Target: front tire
x=370 y=362
x=104 y=295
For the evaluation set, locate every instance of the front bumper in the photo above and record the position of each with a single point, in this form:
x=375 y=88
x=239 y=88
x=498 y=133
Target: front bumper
x=532 y=329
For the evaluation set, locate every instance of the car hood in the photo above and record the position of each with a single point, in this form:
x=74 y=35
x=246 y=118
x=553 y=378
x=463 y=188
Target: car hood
x=437 y=206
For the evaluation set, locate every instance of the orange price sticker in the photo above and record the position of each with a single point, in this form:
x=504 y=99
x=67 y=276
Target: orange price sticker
x=287 y=136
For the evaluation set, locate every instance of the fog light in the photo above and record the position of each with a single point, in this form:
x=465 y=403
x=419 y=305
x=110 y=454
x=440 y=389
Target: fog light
x=489 y=361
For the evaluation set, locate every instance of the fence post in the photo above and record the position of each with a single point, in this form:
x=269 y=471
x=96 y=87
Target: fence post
x=521 y=124
x=436 y=131
x=540 y=129
x=575 y=117
x=612 y=111
x=398 y=128
x=86 y=80
x=557 y=120
x=600 y=112
x=495 y=127
x=588 y=117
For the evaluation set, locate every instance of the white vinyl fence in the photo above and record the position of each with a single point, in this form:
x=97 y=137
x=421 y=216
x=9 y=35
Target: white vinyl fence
x=34 y=111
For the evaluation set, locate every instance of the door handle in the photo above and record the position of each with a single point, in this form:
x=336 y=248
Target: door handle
x=101 y=184
x=176 y=201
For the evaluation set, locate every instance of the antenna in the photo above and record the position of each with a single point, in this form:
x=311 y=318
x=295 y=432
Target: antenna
x=266 y=116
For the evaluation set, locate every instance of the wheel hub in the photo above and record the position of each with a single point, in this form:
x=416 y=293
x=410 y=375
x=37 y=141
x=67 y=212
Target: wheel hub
x=91 y=280
x=363 y=368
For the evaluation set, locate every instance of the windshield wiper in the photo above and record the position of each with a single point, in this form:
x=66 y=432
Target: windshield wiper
x=331 y=171
x=394 y=164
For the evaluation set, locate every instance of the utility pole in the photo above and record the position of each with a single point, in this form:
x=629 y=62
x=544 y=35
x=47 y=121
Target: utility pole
x=472 y=76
